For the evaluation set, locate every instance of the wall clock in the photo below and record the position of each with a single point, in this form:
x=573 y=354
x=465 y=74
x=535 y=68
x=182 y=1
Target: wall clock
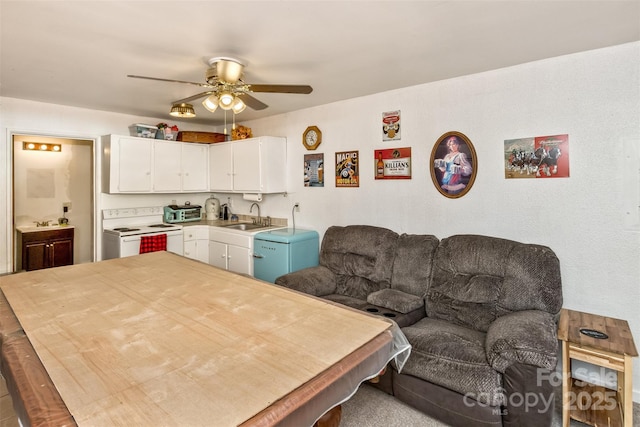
x=311 y=138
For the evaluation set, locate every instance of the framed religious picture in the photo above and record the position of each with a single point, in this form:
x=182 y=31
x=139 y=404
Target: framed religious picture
x=347 y=169
x=454 y=164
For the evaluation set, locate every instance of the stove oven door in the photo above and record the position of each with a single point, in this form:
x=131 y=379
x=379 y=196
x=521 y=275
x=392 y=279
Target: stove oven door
x=130 y=245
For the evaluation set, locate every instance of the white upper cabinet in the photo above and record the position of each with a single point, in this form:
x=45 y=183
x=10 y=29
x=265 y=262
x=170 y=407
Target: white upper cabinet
x=195 y=167
x=255 y=165
x=127 y=164
x=143 y=165
x=167 y=166
x=221 y=167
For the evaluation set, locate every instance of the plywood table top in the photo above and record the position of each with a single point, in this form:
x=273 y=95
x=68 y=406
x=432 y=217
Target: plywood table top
x=159 y=339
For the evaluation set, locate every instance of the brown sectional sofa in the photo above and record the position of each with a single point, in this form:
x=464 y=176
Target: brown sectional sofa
x=480 y=313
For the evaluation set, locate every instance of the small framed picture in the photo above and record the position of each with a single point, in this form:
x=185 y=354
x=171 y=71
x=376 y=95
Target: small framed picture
x=347 y=169
x=453 y=164
x=314 y=170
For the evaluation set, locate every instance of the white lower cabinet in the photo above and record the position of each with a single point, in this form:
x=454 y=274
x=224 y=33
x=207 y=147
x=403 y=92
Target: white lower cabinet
x=196 y=243
x=231 y=251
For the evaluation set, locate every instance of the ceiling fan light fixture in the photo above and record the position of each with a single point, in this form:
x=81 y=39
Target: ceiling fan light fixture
x=183 y=110
x=225 y=100
x=238 y=105
x=228 y=69
x=210 y=103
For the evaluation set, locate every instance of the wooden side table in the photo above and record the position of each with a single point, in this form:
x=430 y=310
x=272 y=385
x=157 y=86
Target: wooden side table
x=591 y=404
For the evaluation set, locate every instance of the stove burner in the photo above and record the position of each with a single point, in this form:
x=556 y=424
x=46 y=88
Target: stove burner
x=125 y=229
x=161 y=225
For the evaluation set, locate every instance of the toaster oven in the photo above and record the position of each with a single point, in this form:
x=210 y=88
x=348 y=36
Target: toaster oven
x=186 y=213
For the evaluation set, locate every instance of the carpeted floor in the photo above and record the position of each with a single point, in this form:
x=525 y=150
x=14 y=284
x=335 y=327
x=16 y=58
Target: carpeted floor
x=371 y=407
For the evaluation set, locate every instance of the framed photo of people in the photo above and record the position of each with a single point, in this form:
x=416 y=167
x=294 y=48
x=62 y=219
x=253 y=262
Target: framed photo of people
x=454 y=164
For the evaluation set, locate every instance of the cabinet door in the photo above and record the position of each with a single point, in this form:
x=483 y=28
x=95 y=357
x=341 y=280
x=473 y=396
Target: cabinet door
x=60 y=252
x=247 y=166
x=195 y=167
x=167 y=166
x=190 y=250
x=218 y=254
x=239 y=259
x=202 y=251
x=221 y=167
x=133 y=164
x=34 y=255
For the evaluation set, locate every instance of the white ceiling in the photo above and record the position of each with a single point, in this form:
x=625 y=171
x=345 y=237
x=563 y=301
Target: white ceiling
x=80 y=52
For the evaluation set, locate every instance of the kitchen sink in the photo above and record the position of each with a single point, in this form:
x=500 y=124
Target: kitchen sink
x=245 y=227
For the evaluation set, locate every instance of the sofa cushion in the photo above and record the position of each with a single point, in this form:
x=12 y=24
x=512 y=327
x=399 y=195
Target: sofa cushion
x=361 y=256
x=316 y=281
x=454 y=357
x=477 y=279
x=352 y=302
x=413 y=263
x=527 y=337
x=395 y=300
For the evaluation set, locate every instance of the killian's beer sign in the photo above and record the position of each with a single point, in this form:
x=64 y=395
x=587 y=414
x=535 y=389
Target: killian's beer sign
x=393 y=163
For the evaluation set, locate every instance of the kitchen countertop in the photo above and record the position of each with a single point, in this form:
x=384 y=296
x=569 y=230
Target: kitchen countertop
x=277 y=223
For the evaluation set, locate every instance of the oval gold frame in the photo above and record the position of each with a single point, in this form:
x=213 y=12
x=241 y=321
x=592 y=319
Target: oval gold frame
x=439 y=152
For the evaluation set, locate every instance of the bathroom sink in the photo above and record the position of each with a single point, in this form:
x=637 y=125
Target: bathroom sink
x=34 y=228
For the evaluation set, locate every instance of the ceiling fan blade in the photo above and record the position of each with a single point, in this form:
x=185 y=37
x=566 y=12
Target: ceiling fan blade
x=170 y=80
x=252 y=102
x=305 y=89
x=194 y=97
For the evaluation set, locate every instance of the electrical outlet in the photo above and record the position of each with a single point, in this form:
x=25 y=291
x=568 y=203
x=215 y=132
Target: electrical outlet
x=66 y=207
x=297 y=206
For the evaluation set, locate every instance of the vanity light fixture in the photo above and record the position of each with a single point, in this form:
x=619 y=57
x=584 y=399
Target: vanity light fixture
x=40 y=146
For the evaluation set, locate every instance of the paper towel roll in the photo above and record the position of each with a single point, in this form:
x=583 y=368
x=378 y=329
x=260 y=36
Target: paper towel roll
x=252 y=197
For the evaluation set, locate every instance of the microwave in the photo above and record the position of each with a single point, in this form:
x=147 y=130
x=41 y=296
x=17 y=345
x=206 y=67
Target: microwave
x=174 y=214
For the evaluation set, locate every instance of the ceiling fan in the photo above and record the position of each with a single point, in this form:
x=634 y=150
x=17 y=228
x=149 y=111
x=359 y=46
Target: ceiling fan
x=226 y=89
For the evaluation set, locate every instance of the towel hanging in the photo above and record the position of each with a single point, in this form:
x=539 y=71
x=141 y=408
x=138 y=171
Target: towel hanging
x=157 y=242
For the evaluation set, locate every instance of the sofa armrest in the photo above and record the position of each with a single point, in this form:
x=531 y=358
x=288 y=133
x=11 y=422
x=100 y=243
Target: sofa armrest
x=395 y=300
x=529 y=337
x=317 y=281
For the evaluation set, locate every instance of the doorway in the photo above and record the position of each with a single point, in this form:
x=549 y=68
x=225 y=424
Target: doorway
x=51 y=185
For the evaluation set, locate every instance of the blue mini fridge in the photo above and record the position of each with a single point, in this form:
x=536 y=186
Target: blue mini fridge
x=282 y=251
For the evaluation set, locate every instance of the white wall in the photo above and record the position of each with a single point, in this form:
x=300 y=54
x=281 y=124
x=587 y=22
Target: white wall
x=586 y=219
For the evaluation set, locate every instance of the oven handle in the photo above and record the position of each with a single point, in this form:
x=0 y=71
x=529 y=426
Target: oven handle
x=136 y=237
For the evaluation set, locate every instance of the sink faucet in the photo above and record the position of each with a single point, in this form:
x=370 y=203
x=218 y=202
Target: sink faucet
x=42 y=224
x=251 y=209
